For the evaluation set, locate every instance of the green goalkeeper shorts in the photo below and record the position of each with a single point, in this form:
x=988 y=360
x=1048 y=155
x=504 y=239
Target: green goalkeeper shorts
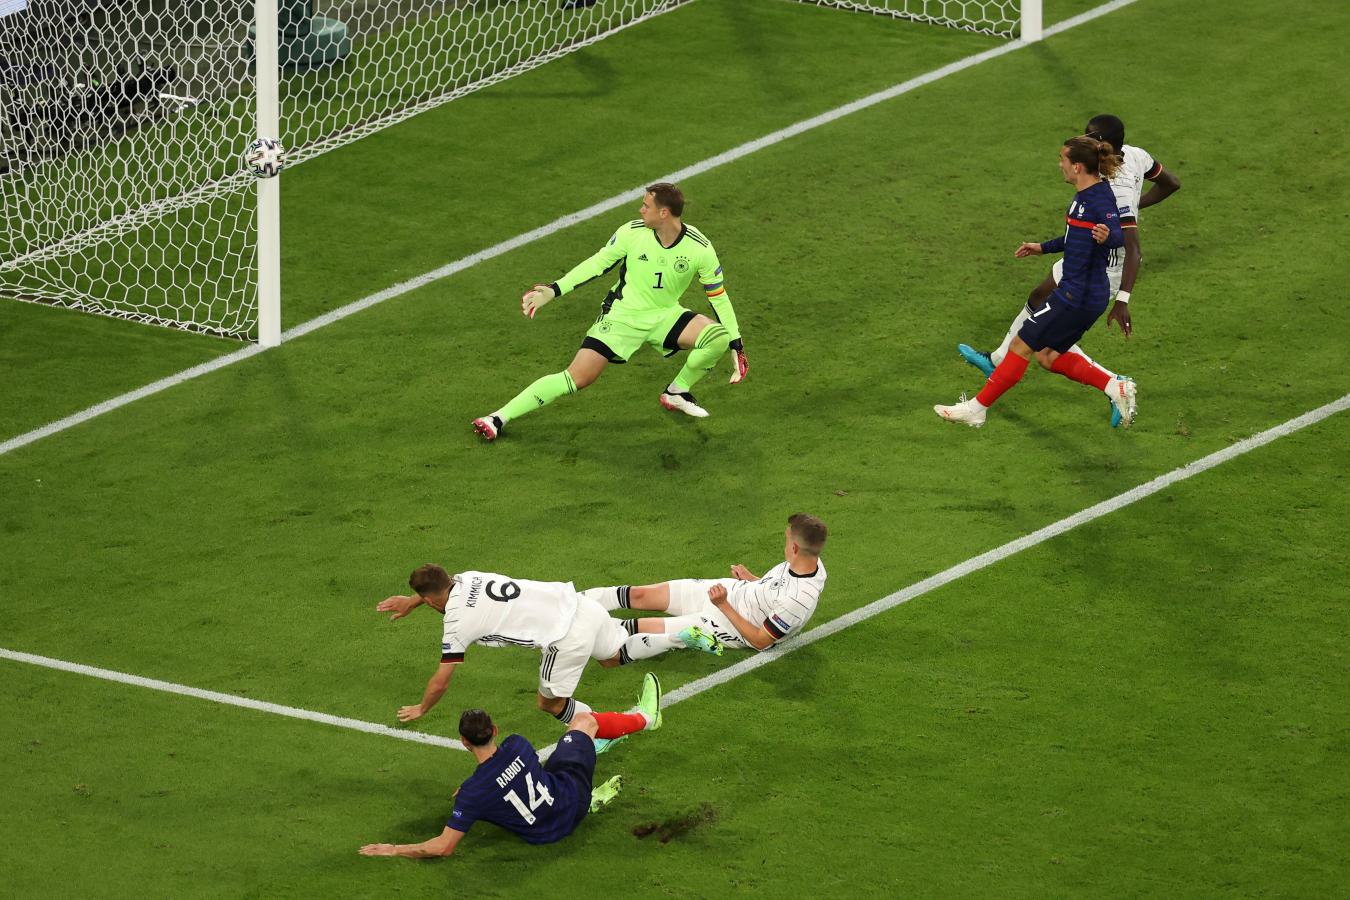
x=620 y=333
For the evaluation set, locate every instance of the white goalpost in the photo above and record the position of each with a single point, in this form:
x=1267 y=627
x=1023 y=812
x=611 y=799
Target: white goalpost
x=123 y=124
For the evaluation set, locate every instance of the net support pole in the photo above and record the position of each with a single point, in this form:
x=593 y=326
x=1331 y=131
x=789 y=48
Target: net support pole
x=269 y=189
x=1031 y=21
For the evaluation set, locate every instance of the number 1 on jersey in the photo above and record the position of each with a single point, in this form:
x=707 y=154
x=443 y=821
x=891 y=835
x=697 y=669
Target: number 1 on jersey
x=658 y=280
x=538 y=798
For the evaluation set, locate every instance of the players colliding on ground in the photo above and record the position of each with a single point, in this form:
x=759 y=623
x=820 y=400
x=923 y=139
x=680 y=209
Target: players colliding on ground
x=745 y=611
x=1127 y=183
x=568 y=629
x=657 y=255
x=540 y=802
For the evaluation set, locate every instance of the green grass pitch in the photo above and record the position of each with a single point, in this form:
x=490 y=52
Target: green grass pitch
x=1151 y=705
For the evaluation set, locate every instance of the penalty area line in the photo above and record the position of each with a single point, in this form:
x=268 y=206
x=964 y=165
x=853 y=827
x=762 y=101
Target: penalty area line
x=848 y=620
x=543 y=231
x=277 y=709
x=998 y=554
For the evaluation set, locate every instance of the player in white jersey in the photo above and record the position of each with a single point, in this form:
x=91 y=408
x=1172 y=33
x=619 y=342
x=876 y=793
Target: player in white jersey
x=1137 y=166
x=500 y=611
x=744 y=611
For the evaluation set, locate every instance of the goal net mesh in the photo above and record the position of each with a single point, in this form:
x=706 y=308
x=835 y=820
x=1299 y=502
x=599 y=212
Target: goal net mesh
x=997 y=17
x=123 y=123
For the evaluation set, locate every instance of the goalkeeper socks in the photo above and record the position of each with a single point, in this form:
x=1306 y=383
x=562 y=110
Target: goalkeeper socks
x=1006 y=374
x=645 y=646
x=1079 y=369
x=573 y=707
x=708 y=349
x=611 y=598
x=617 y=724
x=1016 y=326
x=541 y=393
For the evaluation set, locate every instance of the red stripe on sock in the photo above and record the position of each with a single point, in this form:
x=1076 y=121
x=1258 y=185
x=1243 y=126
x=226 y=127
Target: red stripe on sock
x=1077 y=368
x=1008 y=373
x=616 y=724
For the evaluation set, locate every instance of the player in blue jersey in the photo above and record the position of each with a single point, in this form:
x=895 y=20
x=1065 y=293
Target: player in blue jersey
x=541 y=802
x=1138 y=166
x=1091 y=231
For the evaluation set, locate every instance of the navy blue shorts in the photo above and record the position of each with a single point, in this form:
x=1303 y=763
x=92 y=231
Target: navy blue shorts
x=1057 y=325
x=574 y=760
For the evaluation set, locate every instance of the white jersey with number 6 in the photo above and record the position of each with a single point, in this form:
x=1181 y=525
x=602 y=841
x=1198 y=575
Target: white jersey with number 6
x=499 y=611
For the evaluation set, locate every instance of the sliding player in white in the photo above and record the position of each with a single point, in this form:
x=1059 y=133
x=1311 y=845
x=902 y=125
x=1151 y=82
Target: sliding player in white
x=745 y=611
x=500 y=611
x=1127 y=184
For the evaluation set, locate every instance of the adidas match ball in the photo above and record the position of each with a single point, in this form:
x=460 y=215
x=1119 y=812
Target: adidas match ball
x=265 y=157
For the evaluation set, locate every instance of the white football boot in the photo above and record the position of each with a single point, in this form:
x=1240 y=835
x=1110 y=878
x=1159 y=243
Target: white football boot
x=682 y=401
x=967 y=412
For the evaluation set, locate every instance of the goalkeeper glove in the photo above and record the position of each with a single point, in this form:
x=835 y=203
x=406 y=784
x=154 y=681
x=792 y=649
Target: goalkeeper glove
x=536 y=297
x=742 y=365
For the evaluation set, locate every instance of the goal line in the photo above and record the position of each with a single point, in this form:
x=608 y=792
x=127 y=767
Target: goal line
x=543 y=231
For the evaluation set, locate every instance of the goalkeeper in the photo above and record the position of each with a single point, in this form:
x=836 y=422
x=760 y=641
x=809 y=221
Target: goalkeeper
x=657 y=256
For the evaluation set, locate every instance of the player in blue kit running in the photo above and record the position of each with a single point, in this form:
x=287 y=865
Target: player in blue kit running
x=1137 y=167
x=541 y=802
x=1091 y=231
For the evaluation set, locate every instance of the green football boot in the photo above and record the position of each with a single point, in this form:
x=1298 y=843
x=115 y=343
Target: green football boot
x=696 y=638
x=649 y=701
x=605 y=793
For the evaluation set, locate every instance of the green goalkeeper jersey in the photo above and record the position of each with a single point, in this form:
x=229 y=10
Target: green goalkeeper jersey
x=653 y=277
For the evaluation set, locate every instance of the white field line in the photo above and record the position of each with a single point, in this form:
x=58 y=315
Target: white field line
x=231 y=699
x=551 y=228
x=848 y=620
x=1040 y=536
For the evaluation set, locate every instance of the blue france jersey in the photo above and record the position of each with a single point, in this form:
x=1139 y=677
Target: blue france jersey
x=511 y=789
x=1084 y=283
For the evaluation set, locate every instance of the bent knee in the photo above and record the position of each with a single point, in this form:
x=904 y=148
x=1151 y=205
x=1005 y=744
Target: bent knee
x=585 y=723
x=1046 y=358
x=553 y=705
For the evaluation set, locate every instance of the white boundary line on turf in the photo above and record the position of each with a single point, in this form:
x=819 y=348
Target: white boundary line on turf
x=848 y=620
x=1040 y=536
x=551 y=228
x=231 y=699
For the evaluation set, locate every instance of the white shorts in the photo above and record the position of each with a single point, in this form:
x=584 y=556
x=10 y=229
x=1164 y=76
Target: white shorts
x=593 y=635
x=1113 y=274
x=689 y=605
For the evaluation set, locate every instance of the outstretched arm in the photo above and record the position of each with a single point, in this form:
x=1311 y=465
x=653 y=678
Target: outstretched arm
x=432 y=695
x=442 y=845
x=398 y=606
x=597 y=264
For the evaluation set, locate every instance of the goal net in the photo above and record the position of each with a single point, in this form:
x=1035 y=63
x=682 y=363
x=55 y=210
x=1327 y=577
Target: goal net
x=1002 y=18
x=123 y=123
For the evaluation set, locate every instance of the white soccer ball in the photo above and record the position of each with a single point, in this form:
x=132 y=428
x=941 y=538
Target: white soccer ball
x=265 y=157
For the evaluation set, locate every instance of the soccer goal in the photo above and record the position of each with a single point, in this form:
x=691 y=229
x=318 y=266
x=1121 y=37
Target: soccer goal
x=124 y=124
x=1003 y=18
